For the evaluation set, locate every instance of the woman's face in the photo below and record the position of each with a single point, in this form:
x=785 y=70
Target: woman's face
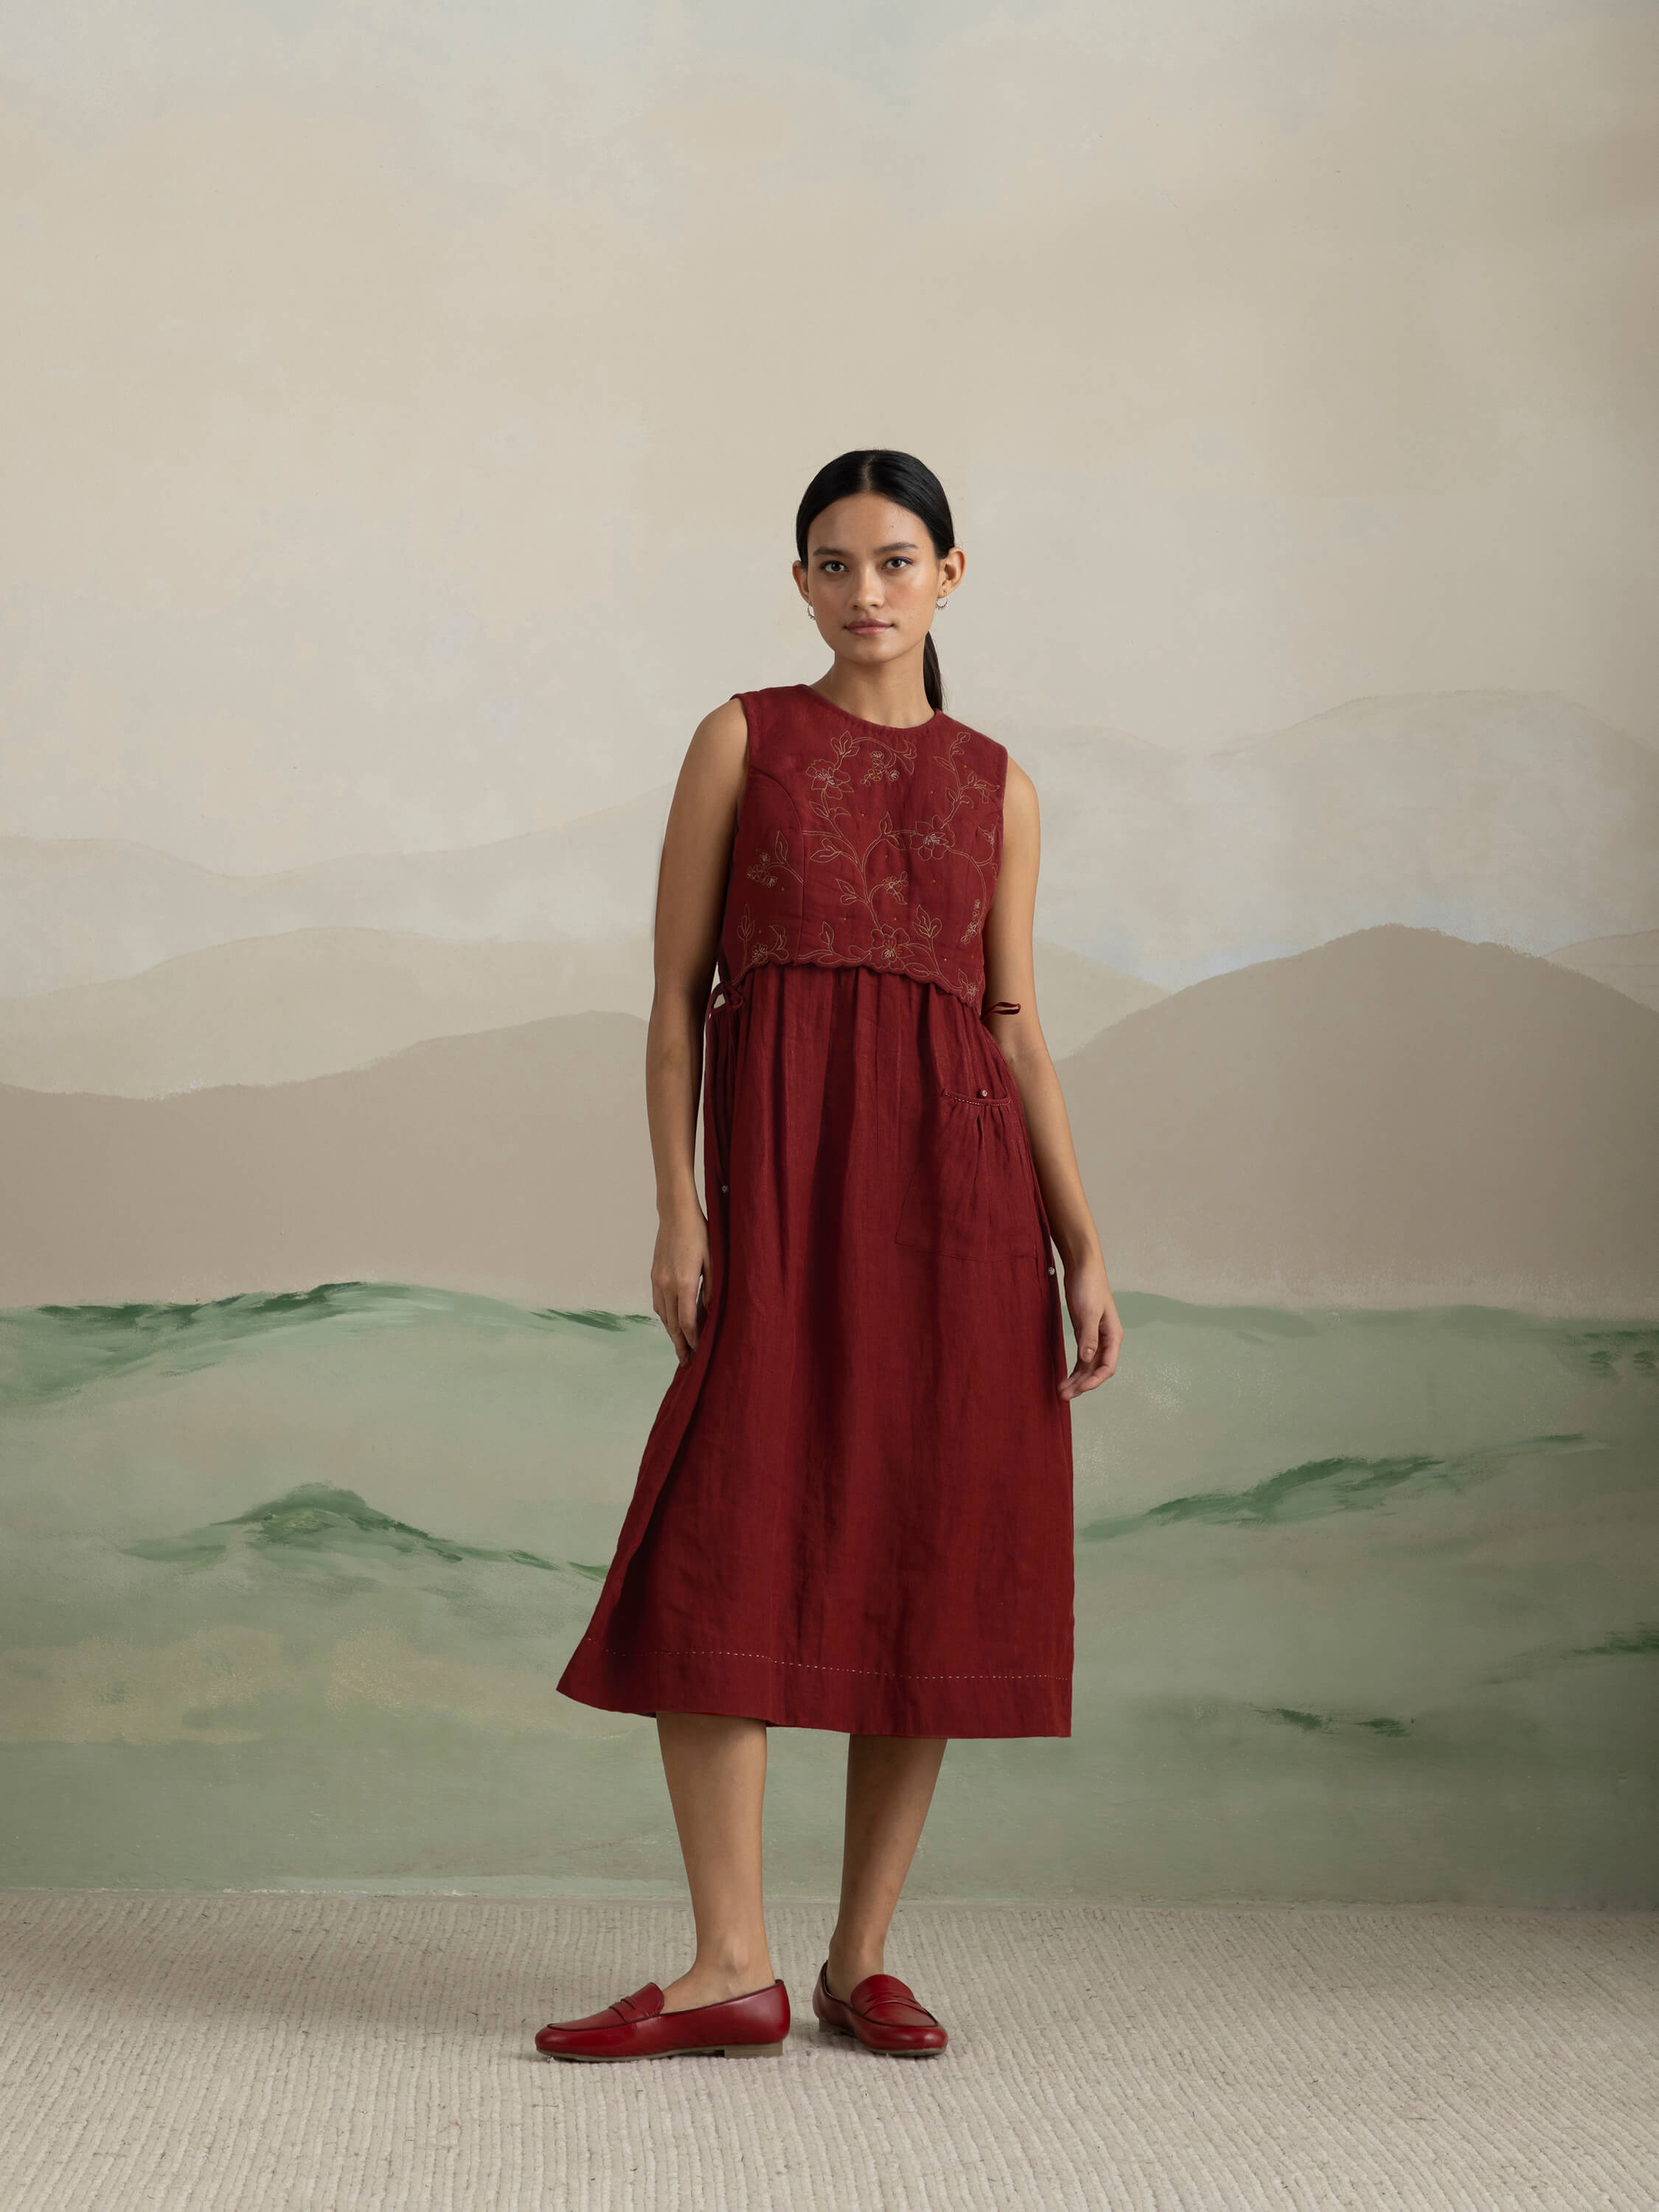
x=872 y=578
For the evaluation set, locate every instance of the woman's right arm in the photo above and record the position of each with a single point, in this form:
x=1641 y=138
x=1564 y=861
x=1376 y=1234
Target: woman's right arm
x=696 y=855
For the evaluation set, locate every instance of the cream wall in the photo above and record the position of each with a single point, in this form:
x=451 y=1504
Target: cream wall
x=403 y=413
x=408 y=406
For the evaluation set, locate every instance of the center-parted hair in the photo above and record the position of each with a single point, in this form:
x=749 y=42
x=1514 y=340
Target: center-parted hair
x=907 y=482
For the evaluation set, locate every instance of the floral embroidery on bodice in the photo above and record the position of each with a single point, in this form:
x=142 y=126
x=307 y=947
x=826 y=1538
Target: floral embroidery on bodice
x=859 y=846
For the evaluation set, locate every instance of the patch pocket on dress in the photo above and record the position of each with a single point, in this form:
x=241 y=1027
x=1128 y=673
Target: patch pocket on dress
x=969 y=1191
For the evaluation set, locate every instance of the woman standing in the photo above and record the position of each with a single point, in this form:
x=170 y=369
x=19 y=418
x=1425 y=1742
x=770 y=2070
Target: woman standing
x=854 y=1507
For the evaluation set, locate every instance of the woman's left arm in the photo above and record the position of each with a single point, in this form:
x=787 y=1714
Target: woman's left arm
x=1009 y=976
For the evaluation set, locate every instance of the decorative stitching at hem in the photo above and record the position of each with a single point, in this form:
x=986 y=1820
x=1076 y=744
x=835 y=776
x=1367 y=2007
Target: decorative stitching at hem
x=658 y=1651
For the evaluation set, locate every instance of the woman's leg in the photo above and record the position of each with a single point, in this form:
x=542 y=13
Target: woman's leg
x=716 y=1770
x=890 y=1786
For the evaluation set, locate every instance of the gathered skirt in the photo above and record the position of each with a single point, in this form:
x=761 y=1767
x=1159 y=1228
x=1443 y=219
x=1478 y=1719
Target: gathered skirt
x=854 y=1507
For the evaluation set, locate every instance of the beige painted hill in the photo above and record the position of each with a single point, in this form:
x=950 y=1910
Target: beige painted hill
x=1398 y=1118
x=319 y=1001
x=1512 y=816
x=1077 y=997
x=516 y=1164
x=90 y=910
x=1629 y=964
x=311 y=1002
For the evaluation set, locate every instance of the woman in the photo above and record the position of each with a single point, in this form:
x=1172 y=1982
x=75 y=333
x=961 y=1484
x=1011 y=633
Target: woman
x=854 y=1507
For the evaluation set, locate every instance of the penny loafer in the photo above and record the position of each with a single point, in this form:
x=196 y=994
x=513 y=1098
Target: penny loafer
x=752 y=2026
x=882 y=2012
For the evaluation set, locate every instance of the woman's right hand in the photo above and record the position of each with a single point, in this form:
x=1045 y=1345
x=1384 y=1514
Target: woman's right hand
x=679 y=1271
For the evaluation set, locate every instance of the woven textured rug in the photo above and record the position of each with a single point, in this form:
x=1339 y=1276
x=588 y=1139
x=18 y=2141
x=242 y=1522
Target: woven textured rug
x=281 y=2050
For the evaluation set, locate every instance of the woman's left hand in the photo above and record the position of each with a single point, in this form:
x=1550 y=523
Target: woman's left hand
x=1095 y=1325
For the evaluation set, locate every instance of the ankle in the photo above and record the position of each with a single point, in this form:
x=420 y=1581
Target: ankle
x=732 y=1968
x=734 y=1962
x=849 y=1963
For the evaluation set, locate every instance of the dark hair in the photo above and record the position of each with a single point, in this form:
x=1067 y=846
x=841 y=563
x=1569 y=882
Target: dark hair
x=909 y=483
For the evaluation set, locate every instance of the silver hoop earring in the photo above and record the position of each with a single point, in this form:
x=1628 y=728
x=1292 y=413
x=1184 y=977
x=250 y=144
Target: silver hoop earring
x=812 y=611
x=939 y=603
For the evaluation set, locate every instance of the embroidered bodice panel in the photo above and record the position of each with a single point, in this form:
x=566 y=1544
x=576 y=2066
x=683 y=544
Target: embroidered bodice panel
x=859 y=846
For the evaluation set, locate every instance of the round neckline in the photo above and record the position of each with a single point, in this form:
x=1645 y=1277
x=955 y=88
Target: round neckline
x=887 y=729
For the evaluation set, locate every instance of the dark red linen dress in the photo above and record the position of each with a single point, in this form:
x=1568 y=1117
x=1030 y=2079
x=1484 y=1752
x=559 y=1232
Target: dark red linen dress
x=854 y=1510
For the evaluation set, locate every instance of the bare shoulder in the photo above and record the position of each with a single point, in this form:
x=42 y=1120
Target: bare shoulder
x=722 y=734
x=1020 y=782
x=716 y=763
x=1019 y=796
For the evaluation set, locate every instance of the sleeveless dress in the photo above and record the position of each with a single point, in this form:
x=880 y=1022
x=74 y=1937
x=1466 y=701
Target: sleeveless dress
x=855 y=1510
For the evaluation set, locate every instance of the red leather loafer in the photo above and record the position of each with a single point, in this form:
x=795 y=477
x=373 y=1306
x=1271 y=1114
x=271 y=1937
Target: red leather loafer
x=882 y=2012
x=752 y=2026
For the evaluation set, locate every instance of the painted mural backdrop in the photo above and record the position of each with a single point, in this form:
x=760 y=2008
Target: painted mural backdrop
x=402 y=439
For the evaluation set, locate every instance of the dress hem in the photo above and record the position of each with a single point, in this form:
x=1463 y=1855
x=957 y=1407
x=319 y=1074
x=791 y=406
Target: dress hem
x=866 y=1701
